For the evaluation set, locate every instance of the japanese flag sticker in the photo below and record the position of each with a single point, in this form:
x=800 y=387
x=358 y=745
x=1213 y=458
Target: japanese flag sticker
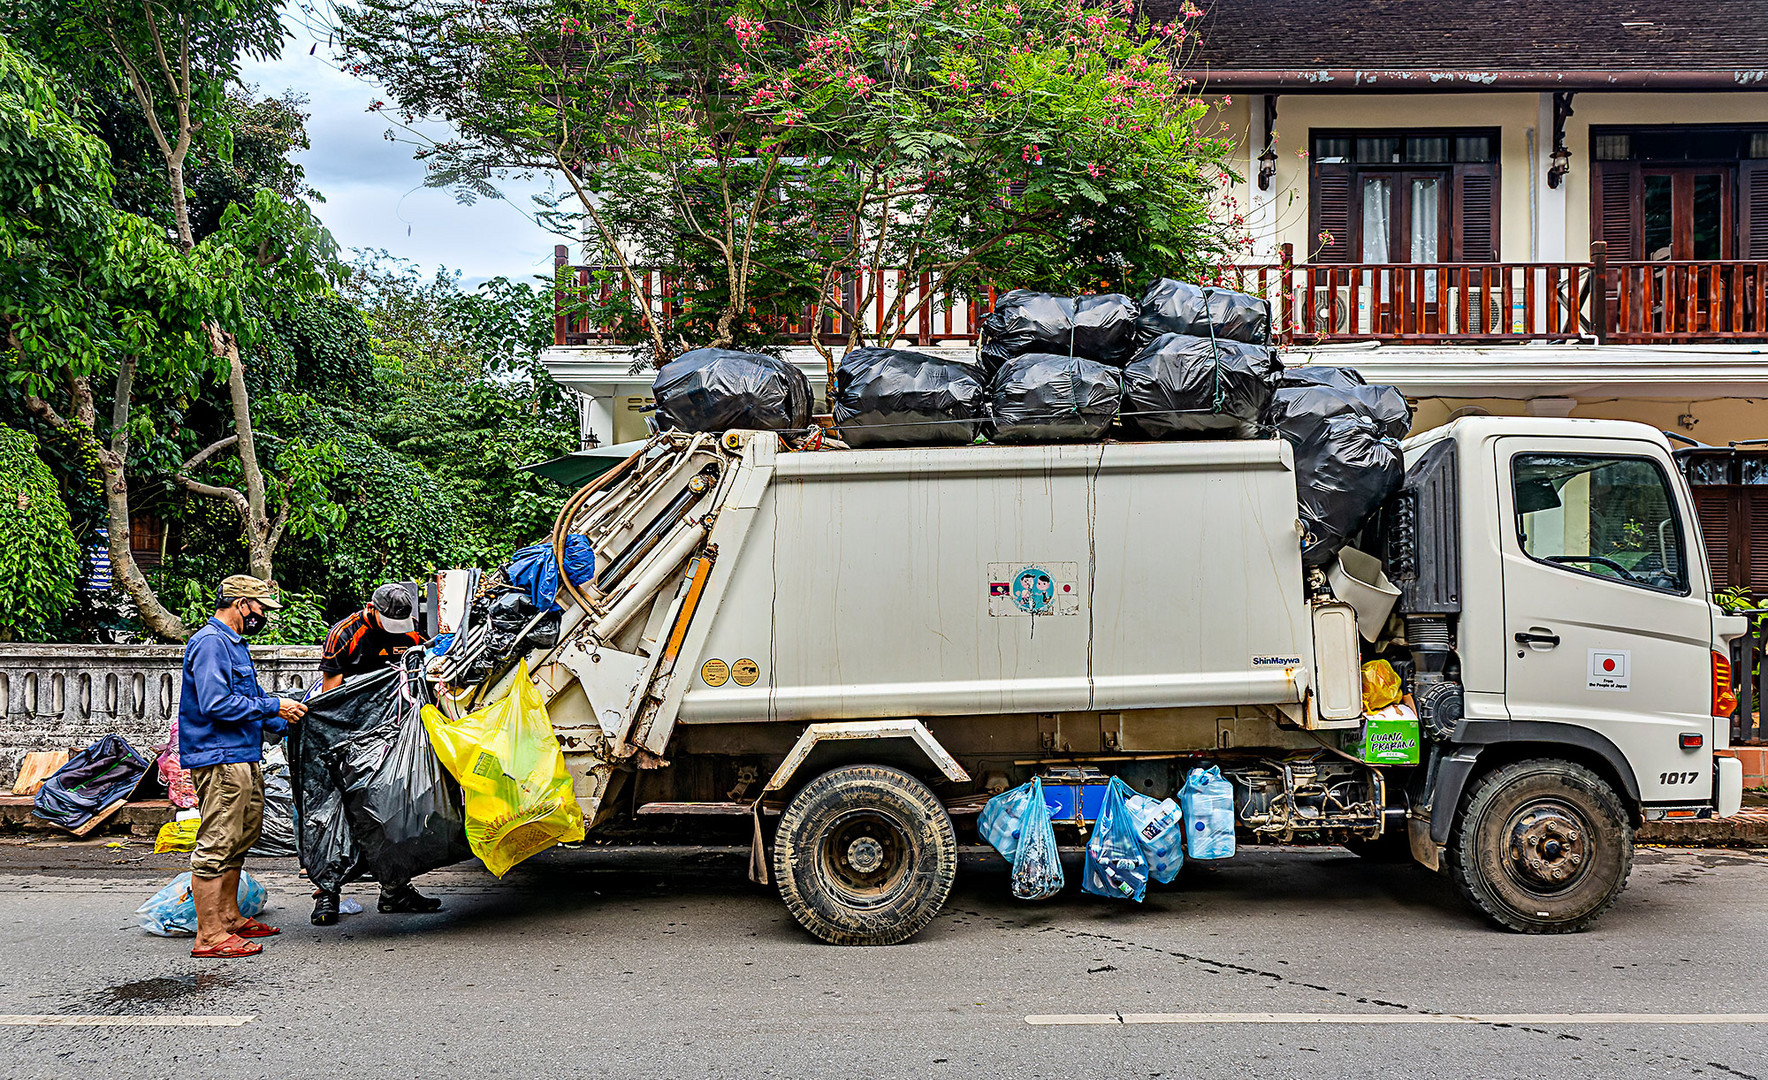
x=1610 y=669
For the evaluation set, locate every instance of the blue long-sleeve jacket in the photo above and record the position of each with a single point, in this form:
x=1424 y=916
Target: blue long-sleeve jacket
x=222 y=712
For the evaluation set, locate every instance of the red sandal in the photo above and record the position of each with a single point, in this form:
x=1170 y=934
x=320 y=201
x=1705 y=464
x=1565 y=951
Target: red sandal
x=232 y=948
x=252 y=928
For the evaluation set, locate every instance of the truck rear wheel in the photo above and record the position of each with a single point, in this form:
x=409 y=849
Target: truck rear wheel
x=1542 y=847
x=865 y=855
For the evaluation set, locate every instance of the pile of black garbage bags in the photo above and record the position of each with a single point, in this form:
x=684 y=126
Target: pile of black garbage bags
x=1183 y=362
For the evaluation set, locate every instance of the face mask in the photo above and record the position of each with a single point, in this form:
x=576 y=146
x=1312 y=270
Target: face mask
x=253 y=623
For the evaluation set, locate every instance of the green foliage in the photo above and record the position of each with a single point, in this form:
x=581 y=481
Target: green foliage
x=301 y=620
x=39 y=560
x=769 y=150
x=402 y=520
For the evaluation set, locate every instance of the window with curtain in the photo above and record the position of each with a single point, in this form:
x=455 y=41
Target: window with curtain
x=1404 y=196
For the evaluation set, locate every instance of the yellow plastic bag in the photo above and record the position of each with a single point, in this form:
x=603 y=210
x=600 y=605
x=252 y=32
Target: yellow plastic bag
x=177 y=835
x=507 y=759
x=1381 y=686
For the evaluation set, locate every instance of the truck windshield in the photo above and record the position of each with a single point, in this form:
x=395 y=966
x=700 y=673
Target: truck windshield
x=1609 y=517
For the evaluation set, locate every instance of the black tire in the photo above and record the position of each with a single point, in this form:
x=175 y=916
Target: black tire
x=1541 y=847
x=865 y=855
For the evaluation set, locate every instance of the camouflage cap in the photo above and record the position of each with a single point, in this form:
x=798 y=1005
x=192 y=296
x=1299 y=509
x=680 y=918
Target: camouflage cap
x=247 y=587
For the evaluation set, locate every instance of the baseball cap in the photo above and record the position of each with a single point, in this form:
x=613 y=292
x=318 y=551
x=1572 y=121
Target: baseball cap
x=393 y=604
x=247 y=587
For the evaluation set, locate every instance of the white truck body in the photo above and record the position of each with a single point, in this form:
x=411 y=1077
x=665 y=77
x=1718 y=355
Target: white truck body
x=976 y=614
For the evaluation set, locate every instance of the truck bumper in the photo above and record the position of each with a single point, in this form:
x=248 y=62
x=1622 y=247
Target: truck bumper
x=1727 y=785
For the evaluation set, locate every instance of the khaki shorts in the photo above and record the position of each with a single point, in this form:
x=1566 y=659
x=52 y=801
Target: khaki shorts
x=231 y=798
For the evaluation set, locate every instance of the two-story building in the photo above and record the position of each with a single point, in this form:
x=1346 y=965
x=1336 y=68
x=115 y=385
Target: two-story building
x=1499 y=206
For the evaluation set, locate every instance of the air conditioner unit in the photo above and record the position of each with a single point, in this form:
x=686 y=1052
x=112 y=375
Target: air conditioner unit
x=1329 y=311
x=1485 y=312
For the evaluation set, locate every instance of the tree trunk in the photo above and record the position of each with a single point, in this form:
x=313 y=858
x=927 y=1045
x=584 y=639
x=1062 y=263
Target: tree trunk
x=255 y=519
x=113 y=472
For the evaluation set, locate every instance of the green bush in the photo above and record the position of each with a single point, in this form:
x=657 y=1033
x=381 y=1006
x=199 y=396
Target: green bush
x=39 y=558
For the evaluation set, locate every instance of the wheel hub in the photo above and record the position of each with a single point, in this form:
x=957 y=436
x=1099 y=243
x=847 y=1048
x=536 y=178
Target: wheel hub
x=865 y=855
x=1548 y=846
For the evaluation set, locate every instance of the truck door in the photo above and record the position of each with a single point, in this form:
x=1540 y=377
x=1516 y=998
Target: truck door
x=1607 y=626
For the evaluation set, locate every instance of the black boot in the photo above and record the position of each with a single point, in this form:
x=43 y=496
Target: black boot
x=325 y=909
x=405 y=900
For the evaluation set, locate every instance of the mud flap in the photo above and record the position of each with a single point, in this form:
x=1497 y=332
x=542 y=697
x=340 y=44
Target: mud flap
x=757 y=849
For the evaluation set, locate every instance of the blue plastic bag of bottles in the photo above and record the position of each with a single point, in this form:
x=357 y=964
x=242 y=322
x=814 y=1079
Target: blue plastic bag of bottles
x=172 y=910
x=1002 y=821
x=1160 y=826
x=1116 y=866
x=1208 y=804
x=1037 y=867
x=1017 y=823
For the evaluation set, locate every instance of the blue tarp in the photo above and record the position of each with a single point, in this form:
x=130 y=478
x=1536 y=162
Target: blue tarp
x=532 y=568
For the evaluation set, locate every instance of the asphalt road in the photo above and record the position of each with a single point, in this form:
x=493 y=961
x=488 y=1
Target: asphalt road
x=583 y=965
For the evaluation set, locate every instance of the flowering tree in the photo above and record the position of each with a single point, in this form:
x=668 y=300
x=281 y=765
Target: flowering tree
x=771 y=150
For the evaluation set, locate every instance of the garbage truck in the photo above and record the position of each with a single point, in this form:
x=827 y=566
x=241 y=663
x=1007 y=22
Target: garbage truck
x=848 y=652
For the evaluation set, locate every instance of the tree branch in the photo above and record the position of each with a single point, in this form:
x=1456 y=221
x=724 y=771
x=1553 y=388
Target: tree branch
x=208 y=452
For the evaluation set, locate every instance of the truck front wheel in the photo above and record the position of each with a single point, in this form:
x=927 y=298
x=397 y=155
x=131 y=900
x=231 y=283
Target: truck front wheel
x=865 y=855
x=1542 y=847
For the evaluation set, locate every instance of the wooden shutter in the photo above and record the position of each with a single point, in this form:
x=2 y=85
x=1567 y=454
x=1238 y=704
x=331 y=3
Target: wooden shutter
x=1712 y=505
x=1331 y=213
x=1750 y=533
x=1476 y=213
x=1614 y=209
x=1752 y=210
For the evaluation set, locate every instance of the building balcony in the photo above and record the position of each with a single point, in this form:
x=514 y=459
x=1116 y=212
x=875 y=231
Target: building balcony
x=1597 y=302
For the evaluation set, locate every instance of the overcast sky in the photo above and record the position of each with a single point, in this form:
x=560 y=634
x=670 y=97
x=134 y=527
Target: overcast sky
x=374 y=193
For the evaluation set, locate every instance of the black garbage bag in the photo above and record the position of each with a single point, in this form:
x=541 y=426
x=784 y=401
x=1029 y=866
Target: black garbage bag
x=1344 y=469
x=278 y=835
x=720 y=389
x=1174 y=307
x=106 y=772
x=1042 y=397
x=1339 y=378
x=888 y=397
x=1181 y=386
x=328 y=849
x=1296 y=410
x=407 y=813
x=1101 y=328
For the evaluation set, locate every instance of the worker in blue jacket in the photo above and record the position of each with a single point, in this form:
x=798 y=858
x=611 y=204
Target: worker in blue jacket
x=222 y=716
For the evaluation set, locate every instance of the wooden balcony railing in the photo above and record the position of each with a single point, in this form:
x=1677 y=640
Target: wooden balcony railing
x=1635 y=303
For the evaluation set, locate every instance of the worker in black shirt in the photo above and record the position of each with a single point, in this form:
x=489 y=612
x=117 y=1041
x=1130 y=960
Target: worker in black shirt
x=368 y=641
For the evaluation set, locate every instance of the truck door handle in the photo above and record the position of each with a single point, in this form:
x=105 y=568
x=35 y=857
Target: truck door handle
x=1549 y=640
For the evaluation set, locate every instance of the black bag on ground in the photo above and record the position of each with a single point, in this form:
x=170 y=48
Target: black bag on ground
x=1344 y=469
x=888 y=397
x=277 y=838
x=1296 y=410
x=720 y=389
x=1175 y=307
x=1042 y=397
x=328 y=850
x=407 y=813
x=107 y=771
x=1181 y=386
x=1101 y=328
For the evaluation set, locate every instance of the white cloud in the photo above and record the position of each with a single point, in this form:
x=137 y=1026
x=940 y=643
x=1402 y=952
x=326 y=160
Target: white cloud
x=373 y=190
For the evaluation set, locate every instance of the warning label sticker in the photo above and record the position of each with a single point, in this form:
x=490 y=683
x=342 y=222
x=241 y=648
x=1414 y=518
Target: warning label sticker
x=1026 y=588
x=1610 y=669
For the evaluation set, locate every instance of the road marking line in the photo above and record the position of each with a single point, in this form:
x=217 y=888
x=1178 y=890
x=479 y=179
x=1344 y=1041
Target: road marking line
x=105 y=1020
x=1514 y=1019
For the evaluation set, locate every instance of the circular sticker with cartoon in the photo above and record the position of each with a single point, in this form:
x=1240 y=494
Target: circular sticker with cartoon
x=1034 y=590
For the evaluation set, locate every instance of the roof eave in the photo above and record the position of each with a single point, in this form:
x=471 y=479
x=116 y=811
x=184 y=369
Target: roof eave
x=1454 y=80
